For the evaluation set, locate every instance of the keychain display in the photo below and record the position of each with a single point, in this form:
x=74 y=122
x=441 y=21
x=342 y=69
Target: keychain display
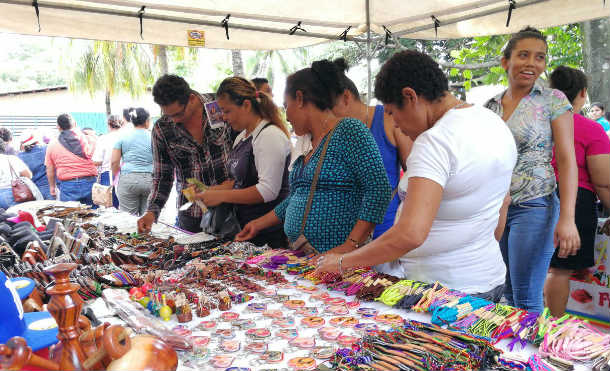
x=287 y=333
x=258 y=333
x=338 y=310
x=303 y=342
x=225 y=333
x=367 y=312
x=329 y=333
x=221 y=360
x=294 y=304
x=256 y=347
x=313 y=322
x=243 y=324
x=272 y=356
x=206 y=326
x=344 y=321
x=283 y=322
x=273 y=313
x=229 y=316
x=322 y=352
x=229 y=346
x=302 y=363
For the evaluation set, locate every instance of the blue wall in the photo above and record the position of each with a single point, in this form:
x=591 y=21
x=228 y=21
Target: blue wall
x=94 y=120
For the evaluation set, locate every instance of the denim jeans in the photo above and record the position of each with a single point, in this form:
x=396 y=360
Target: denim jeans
x=527 y=248
x=6 y=198
x=76 y=190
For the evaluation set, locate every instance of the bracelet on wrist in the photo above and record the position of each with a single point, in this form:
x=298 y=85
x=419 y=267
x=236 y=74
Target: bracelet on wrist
x=356 y=243
x=341 y=264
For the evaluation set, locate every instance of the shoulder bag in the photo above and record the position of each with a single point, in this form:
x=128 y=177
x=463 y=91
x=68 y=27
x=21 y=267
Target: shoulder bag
x=301 y=243
x=21 y=191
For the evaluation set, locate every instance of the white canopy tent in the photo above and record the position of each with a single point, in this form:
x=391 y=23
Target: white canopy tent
x=267 y=24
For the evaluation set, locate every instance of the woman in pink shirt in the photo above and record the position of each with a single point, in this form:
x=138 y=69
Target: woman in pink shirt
x=592 y=148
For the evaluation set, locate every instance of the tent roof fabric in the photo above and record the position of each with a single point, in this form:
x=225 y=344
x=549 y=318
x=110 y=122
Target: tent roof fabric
x=266 y=24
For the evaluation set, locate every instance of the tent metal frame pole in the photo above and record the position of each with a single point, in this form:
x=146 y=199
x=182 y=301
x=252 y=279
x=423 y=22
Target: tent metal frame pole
x=134 y=14
x=369 y=55
x=445 y=22
x=217 y=13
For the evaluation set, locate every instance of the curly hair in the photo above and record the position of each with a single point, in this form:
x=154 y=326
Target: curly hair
x=412 y=69
x=526 y=33
x=569 y=80
x=5 y=134
x=171 y=88
x=321 y=84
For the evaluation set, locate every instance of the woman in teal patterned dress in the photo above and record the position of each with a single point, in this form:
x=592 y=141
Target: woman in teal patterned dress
x=353 y=190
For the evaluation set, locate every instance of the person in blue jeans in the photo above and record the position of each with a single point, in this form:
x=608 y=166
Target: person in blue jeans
x=68 y=159
x=537 y=222
x=33 y=154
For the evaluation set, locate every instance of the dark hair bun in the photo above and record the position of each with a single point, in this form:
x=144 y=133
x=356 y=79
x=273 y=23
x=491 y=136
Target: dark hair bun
x=341 y=64
x=330 y=76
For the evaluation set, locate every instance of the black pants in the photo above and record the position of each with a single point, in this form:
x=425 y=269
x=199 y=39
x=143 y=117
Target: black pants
x=586 y=223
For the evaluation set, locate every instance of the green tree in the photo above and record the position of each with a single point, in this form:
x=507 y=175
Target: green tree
x=113 y=67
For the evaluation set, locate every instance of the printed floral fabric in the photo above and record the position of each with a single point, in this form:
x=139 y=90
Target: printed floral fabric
x=530 y=124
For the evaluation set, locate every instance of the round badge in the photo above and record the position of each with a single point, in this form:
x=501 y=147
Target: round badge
x=200 y=354
x=334 y=301
x=302 y=363
x=339 y=310
x=272 y=356
x=257 y=307
x=367 y=312
x=268 y=293
x=352 y=304
x=182 y=331
x=283 y=322
x=319 y=297
x=347 y=340
x=287 y=333
x=365 y=328
x=225 y=333
x=344 y=321
x=229 y=316
x=322 y=352
x=206 y=325
x=307 y=311
x=294 y=304
x=273 y=313
x=308 y=289
x=221 y=361
x=230 y=346
x=329 y=333
x=313 y=322
x=259 y=333
x=199 y=341
x=256 y=347
x=243 y=324
x=390 y=319
x=303 y=342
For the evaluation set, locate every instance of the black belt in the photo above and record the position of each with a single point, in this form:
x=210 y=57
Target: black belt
x=91 y=177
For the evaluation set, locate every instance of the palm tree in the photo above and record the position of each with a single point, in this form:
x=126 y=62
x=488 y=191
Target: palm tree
x=162 y=54
x=113 y=67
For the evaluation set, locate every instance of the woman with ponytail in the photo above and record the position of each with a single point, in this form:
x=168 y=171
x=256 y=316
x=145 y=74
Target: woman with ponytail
x=134 y=149
x=259 y=160
x=352 y=190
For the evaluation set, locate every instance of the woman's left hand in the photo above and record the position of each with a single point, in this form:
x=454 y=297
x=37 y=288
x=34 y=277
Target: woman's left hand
x=566 y=238
x=211 y=198
x=328 y=263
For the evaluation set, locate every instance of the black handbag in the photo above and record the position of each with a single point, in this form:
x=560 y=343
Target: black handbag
x=221 y=221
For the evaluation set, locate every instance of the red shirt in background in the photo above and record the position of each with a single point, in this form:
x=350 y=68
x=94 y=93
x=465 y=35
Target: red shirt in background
x=589 y=139
x=68 y=165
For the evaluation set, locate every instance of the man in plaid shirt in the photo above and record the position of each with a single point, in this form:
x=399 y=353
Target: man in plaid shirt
x=185 y=144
